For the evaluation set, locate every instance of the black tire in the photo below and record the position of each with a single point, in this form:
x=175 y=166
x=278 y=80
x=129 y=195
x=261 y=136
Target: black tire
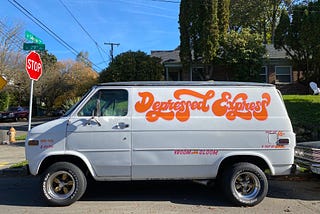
x=245 y=184
x=63 y=183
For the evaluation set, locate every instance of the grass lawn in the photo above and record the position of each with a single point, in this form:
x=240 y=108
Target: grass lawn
x=304 y=112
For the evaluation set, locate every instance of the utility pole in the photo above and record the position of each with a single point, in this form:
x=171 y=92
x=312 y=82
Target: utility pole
x=111 y=50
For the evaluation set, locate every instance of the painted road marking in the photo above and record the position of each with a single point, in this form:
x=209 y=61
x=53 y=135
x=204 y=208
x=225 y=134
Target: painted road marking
x=3 y=163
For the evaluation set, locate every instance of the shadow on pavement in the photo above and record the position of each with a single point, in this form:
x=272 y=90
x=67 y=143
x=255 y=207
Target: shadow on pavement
x=25 y=191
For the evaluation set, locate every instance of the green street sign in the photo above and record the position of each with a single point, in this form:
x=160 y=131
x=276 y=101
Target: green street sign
x=33 y=46
x=29 y=36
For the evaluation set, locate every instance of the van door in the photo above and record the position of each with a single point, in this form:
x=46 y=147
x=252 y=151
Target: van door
x=101 y=131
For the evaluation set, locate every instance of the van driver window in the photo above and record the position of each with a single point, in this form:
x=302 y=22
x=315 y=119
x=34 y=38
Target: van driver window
x=113 y=102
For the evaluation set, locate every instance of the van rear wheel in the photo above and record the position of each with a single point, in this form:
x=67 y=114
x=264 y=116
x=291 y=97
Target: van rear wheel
x=245 y=184
x=63 y=183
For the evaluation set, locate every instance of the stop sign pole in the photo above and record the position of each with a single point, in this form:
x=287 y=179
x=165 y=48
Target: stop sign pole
x=34 y=69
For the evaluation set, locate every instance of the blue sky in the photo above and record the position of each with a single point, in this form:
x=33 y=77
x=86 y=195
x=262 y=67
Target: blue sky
x=136 y=24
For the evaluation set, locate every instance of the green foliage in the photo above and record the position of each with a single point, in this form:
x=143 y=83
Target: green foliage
x=243 y=53
x=260 y=16
x=223 y=14
x=70 y=102
x=184 y=27
x=199 y=30
x=204 y=35
x=4 y=100
x=132 y=66
x=299 y=37
x=48 y=60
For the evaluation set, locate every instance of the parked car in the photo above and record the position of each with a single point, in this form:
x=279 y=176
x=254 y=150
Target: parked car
x=15 y=113
x=307 y=155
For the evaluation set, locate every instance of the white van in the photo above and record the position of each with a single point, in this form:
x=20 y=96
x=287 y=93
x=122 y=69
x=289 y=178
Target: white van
x=232 y=132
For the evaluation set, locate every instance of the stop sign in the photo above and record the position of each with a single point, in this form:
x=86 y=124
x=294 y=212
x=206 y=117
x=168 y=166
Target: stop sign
x=34 y=65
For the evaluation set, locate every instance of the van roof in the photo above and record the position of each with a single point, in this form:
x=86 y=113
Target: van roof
x=186 y=83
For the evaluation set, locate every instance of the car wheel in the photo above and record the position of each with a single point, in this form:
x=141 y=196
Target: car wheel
x=245 y=184
x=63 y=183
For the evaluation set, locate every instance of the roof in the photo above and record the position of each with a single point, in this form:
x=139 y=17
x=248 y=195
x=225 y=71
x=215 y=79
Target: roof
x=167 y=56
x=273 y=53
x=185 y=83
x=172 y=56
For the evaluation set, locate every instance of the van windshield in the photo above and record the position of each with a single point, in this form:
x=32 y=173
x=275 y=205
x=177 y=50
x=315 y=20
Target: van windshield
x=76 y=105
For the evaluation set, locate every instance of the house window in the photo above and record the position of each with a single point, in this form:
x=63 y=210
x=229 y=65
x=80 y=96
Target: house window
x=263 y=74
x=283 y=74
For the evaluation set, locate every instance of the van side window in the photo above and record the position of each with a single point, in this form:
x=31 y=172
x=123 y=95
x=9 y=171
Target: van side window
x=113 y=102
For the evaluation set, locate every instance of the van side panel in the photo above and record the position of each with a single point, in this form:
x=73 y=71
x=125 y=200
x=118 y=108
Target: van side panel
x=187 y=132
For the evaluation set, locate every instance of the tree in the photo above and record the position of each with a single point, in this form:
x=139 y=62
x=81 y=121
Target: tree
x=260 y=16
x=46 y=88
x=83 y=57
x=76 y=78
x=224 y=16
x=132 y=66
x=199 y=30
x=243 y=52
x=298 y=36
x=12 y=64
x=205 y=35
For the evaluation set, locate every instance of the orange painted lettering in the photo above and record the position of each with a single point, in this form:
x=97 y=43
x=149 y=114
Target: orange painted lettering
x=238 y=106
x=185 y=101
x=168 y=110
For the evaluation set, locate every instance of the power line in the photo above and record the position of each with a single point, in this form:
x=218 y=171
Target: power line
x=94 y=41
x=47 y=29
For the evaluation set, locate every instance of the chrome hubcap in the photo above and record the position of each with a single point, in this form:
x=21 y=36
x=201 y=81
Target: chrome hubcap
x=60 y=185
x=247 y=185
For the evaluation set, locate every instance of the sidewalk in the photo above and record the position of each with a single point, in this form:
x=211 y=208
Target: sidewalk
x=11 y=154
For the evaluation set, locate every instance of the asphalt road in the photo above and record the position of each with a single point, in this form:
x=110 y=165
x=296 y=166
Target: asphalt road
x=22 y=195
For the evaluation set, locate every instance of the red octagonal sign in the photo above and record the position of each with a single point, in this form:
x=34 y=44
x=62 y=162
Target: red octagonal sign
x=34 y=65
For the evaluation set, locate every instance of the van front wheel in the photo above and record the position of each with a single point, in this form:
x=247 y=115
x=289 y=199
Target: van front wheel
x=63 y=183
x=245 y=184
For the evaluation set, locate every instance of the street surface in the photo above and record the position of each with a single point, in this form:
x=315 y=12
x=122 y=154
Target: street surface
x=21 y=194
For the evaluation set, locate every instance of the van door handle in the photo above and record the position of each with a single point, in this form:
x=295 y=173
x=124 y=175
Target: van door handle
x=121 y=126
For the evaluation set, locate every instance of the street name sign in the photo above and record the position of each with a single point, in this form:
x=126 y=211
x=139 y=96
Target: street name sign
x=33 y=46
x=29 y=36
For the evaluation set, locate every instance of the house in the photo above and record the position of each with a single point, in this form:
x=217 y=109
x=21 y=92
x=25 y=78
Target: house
x=277 y=69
